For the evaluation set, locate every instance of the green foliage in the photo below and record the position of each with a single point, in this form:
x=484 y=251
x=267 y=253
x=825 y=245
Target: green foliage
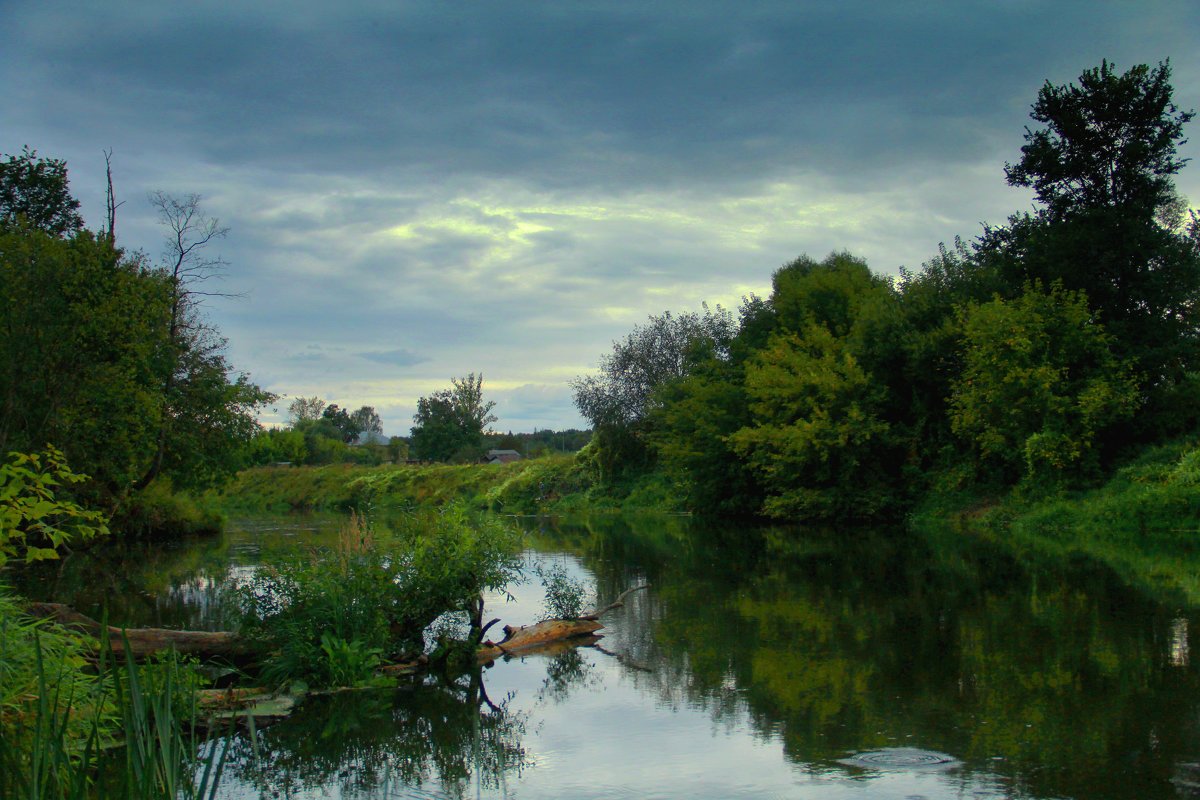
x=35 y=520
x=81 y=333
x=62 y=717
x=1108 y=142
x=564 y=594
x=174 y=677
x=449 y=424
x=819 y=440
x=275 y=446
x=161 y=509
x=349 y=663
x=46 y=689
x=378 y=592
x=101 y=357
x=620 y=400
x=830 y=293
x=691 y=426
x=34 y=192
x=815 y=429
x=1102 y=167
x=1039 y=386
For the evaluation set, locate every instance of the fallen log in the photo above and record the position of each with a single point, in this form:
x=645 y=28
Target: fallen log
x=521 y=641
x=144 y=642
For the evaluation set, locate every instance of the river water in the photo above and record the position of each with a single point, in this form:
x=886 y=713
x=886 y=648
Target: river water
x=761 y=662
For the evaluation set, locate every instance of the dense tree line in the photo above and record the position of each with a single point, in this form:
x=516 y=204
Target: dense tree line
x=106 y=356
x=319 y=432
x=1034 y=356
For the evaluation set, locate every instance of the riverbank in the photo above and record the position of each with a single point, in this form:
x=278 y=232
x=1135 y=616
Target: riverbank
x=1143 y=523
x=558 y=484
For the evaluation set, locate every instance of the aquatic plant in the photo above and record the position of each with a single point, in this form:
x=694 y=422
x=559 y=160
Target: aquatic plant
x=378 y=588
x=62 y=719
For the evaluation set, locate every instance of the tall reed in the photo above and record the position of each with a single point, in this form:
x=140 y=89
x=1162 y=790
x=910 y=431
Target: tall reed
x=71 y=735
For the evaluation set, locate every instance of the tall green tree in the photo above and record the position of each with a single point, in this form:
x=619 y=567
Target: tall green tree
x=81 y=341
x=1109 y=142
x=620 y=399
x=824 y=439
x=367 y=420
x=1040 y=385
x=34 y=191
x=1102 y=165
x=101 y=358
x=450 y=423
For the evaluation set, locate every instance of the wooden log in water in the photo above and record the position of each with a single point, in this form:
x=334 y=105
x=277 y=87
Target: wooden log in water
x=521 y=641
x=144 y=642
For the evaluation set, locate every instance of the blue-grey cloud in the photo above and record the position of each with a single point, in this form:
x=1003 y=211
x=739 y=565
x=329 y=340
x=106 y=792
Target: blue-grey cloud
x=508 y=188
x=395 y=358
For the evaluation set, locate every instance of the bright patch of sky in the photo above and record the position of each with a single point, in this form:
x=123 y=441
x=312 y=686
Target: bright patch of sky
x=417 y=191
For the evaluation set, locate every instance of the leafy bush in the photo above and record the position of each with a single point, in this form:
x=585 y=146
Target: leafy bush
x=161 y=509
x=60 y=716
x=33 y=515
x=44 y=674
x=348 y=663
x=377 y=592
x=564 y=594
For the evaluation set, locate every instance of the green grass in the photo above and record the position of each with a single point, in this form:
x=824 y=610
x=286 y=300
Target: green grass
x=555 y=484
x=1144 y=523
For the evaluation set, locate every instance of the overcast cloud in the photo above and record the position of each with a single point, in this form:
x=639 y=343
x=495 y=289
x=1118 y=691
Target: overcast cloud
x=420 y=190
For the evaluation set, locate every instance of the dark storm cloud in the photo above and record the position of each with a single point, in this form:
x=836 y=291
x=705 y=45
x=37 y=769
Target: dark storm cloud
x=418 y=190
x=565 y=95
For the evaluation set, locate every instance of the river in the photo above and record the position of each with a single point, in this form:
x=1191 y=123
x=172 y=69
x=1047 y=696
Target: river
x=761 y=662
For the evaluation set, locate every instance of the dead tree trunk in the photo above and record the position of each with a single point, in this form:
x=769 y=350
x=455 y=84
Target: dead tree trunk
x=144 y=642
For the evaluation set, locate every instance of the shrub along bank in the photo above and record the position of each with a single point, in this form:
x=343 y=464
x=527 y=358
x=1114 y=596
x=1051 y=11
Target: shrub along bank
x=1144 y=523
x=552 y=484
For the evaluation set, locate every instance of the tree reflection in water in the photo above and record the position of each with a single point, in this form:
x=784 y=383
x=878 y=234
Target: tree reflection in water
x=368 y=743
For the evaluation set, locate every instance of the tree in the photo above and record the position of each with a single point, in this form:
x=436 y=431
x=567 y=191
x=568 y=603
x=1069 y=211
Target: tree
x=367 y=420
x=347 y=428
x=450 y=423
x=651 y=355
x=816 y=436
x=305 y=409
x=194 y=364
x=1109 y=142
x=34 y=192
x=1109 y=224
x=107 y=359
x=1039 y=386
x=619 y=400
x=82 y=335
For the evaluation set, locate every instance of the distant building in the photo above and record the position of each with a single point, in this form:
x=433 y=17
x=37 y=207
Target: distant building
x=501 y=456
x=369 y=437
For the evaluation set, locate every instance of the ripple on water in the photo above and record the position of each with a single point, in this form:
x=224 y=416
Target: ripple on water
x=901 y=758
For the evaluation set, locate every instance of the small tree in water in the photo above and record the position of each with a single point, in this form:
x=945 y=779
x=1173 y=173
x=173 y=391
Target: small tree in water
x=378 y=589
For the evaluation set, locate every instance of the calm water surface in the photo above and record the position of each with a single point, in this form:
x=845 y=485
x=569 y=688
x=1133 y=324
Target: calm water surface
x=766 y=663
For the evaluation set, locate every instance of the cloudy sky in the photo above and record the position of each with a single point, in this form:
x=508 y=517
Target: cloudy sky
x=418 y=190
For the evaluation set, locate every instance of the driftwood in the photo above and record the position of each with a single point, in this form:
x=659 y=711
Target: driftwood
x=144 y=642
x=543 y=635
x=620 y=601
x=521 y=641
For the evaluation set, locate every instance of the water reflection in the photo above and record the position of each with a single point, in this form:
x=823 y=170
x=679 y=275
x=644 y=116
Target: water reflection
x=758 y=662
x=450 y=737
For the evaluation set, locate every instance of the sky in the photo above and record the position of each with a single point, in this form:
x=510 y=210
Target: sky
x=416 y=191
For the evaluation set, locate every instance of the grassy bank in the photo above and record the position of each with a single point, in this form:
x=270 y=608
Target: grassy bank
x=552 y=484
x=1144 y=523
